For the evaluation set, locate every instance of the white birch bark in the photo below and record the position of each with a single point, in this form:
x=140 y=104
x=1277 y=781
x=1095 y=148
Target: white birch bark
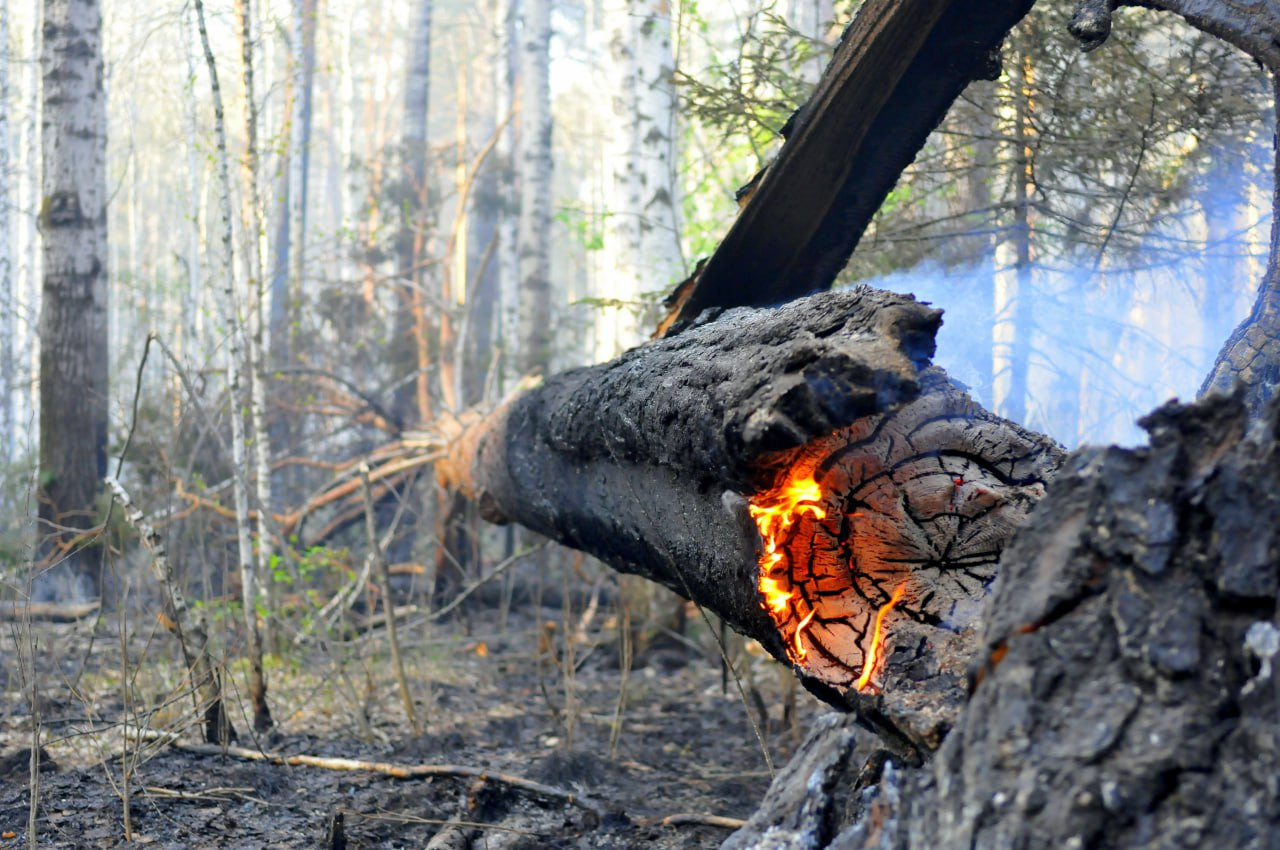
x=249 y=578
x=261 y=440
x=507 y=253
x=190 y=335
x=73 y=315
x=8 y=321
x=534 y=226
x=643 y=238
x=27 y=400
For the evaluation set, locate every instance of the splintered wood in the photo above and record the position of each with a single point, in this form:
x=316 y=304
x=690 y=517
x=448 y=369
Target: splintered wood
x=898 y=517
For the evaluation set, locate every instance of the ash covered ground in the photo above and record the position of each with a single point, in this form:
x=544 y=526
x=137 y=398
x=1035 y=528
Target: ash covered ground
x=487 y=697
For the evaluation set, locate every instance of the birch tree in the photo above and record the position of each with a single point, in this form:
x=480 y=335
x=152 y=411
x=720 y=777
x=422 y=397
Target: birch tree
x=506 y=250
x=534 y=225
x=644 y=233
x=408 y=348
x=7 y=321
x=249 y=577
x=73 y=315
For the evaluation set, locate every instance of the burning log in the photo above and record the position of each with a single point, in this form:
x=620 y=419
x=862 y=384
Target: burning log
x=802 y=472
x=1126 y=691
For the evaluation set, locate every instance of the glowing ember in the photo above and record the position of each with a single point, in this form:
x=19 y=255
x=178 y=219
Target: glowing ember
x=877 y=638
x=800 y=652
x=792 y=593
x=775 y=512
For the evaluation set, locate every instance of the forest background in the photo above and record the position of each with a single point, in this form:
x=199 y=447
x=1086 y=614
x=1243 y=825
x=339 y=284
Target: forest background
x=425 y=203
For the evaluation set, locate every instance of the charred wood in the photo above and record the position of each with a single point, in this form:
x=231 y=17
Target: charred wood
x=1125 y=694
x=649 y=462
x=896 y=72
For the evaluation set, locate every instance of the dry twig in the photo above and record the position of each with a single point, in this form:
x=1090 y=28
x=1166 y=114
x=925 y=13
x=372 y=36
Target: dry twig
x=395 y=771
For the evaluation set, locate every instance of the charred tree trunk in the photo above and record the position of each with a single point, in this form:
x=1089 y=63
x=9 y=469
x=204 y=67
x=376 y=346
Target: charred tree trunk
x=1126 y=691
x=649 y=462
x=897 y=70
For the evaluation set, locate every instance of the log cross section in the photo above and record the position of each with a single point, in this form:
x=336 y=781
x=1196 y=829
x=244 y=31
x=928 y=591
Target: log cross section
x=649 y=463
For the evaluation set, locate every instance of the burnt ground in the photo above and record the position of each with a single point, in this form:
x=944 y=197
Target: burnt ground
x=487 y=697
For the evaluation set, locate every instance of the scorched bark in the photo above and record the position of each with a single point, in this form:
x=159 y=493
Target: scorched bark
x=648 y=461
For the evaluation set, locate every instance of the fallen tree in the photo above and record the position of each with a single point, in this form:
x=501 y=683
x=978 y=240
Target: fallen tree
x=671 y=461
x=1126 y=690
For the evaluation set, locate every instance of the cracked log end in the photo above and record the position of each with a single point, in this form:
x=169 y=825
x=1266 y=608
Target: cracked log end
x=879 y=543
x=631 y=460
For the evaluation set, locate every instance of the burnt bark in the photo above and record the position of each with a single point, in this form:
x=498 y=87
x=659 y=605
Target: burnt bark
x=1125 y=694
x=896 y=72
x=648 y=463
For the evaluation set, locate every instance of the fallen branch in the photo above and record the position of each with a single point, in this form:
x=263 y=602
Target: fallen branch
x=395 y=771
x=694 y=819
x=50 y=612
x=182 y=622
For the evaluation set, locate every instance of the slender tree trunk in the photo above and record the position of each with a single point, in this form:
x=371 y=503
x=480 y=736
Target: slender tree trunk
x=507 y=255
x=534 y=226
x=304 y=47
x=409 y=342
x=73 y=315
x=249 y=578
x=644 y=222
x=7 y=301
x=1023 y=319
x=190 y=333
x=257 y=305
x=983 y=127
x=28 y=347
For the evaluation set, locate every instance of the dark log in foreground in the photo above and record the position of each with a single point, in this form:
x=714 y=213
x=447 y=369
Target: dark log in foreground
x=1127 y=693
x=649 y=462
x=896 y=72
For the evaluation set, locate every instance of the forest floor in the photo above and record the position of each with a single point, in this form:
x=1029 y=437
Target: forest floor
x=487 y=697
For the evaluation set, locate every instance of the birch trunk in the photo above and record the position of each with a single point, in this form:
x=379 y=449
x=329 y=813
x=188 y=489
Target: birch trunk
x=28 y=293
x=534 y=226
x=7 y=301
x=193 y=316
x=248 y=572
x=644 y=222
x=257 y=356
x=73 y=315
x=408 y=346
x=303 y=23
x=507 y=256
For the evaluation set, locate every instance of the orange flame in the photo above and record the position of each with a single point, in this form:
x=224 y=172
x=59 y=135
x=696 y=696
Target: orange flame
x=877 y=638
x=774 y=513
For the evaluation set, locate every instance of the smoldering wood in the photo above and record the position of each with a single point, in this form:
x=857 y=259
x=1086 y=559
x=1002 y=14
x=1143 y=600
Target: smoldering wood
x=896 y=72
x=648 y=462
x=1125 y=692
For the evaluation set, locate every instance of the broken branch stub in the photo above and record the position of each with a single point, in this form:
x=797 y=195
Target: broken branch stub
x=661 y=463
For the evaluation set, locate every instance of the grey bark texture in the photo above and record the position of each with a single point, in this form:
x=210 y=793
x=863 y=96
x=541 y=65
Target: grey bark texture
x=1126 y=692
x=648 y=462
x=73 y=315
x=533 y=237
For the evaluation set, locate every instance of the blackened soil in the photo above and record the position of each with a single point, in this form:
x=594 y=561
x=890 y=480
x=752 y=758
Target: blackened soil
x=493 y=699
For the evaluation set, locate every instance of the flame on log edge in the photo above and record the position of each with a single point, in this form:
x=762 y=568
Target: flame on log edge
x=671 y=462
